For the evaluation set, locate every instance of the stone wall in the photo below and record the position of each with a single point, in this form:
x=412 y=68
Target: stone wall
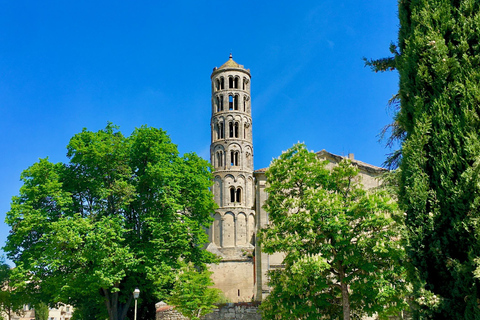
x=230 y=311
x=166 y=312
x=234 y=311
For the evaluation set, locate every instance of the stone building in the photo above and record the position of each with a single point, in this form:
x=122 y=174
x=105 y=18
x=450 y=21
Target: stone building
x=61 y=312
x=239 y=190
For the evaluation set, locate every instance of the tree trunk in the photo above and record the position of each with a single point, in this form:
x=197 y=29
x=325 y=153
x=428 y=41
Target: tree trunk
x=345 y=296
x=345 y=301
x=116 y=312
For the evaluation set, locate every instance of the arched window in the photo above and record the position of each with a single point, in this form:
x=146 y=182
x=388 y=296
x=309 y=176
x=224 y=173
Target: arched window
x=245 y=104
x=217 y=84
x=217 y=130
x=235 y=195
x=230 y=102
x=235 y=102
x=245 y=131
x=234 y=158
x=220 y=103
x=236 y=130
x=236 y=83
x=230 y=129
x=219 y=158
x=222 y=83
x=221 y=129
x=230 y=82
x=244 y=83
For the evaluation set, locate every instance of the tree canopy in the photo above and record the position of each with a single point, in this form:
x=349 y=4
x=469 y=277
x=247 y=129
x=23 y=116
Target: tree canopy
x=123 y=212
x=343 y=256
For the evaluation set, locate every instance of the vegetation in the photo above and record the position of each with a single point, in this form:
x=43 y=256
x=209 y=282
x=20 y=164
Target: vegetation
x=192 y=294
x=343 y=257
x=124 y=212
x=41 y=311
x=11 y=301
x=438 y=122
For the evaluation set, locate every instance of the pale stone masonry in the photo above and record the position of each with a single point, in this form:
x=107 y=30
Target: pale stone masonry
x=231 y=311
x=239 y=191
x=232 y=234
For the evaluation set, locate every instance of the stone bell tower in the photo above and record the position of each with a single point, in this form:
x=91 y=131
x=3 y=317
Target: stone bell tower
x=232 y=234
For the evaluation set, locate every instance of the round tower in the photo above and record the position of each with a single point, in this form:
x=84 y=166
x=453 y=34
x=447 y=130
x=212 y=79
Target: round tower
x=231 y=153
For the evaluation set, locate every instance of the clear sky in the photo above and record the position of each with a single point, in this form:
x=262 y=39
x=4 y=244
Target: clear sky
x=68 y=65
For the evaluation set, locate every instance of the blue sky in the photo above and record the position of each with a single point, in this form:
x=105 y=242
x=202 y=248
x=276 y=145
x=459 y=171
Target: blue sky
x=68 y=65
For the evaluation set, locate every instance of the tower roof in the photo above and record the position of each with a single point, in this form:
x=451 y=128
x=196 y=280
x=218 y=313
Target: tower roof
x=230 y=64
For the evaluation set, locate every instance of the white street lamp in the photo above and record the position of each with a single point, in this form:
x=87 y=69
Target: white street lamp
x=136 y=293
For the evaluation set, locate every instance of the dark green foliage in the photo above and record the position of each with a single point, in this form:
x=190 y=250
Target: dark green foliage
x=122 y=213
x=343 y=254
x=439 y=67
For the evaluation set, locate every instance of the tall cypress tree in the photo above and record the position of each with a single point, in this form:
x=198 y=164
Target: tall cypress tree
x=439 y=66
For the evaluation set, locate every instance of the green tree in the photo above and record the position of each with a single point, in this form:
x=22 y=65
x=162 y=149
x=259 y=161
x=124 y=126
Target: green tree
x=192 y=294
x=437 y=59
x=11 y=300
x=341 y=244
x=120 y=214
x=41 y=311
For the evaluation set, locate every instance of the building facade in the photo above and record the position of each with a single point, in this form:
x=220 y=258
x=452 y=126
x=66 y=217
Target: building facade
x=239 y=190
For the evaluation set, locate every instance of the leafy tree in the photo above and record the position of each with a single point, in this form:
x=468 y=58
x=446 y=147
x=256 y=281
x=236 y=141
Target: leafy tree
x=41 y=311
x=437 y=59
x=192 y=294
x=120 y=214
x=341 y=244
x=11 y=301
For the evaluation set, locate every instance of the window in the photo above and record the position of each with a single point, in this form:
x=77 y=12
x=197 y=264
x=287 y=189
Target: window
x=236 y=83
x=230 y=82
x=239 y=195
x=217 y=84
x=222 y=83
x=221 y=103
x=235 y=195
x=219 y=158
x=221 y=130
x=233 y=129
x=234 y=158
x=230 y=102
x=218 y=104
x=235 y=102
x=244 y=104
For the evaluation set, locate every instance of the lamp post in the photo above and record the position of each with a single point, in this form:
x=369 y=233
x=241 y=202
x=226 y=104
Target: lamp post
x=136 y=293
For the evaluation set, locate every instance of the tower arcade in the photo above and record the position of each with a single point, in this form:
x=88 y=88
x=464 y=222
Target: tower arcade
x=232 y=157
x=232 y=234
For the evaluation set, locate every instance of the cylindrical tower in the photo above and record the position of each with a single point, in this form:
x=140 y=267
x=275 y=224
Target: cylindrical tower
x=231 y=154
